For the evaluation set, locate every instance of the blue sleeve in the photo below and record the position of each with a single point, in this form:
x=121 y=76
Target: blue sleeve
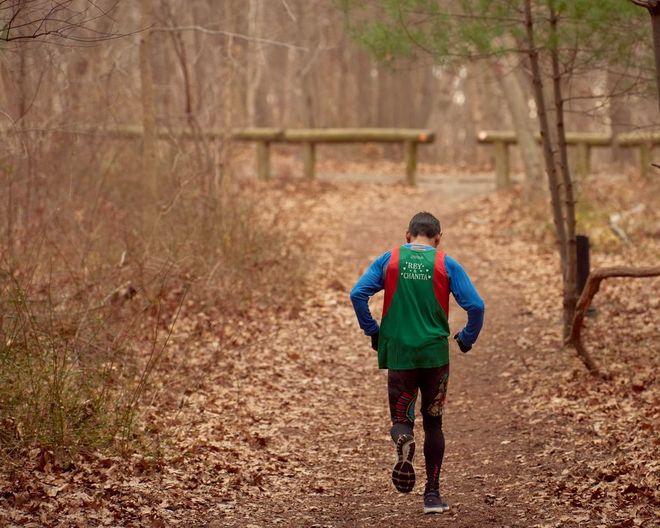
x=468 y=298
x=371 y=282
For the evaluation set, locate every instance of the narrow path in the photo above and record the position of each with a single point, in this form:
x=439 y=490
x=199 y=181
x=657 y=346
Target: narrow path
x=330 y=437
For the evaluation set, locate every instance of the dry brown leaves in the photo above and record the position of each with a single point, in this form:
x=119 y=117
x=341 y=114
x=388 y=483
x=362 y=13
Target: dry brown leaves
x=248 y=406
x=604 y=434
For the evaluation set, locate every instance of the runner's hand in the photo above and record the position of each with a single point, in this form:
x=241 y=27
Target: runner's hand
x=374 y=341
x=464 y=348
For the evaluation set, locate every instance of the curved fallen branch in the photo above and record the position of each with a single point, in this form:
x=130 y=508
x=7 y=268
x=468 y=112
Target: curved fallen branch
x=590 y=289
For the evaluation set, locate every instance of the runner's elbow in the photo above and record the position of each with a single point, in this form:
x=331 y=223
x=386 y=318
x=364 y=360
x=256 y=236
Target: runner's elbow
x=356 y=295
x=476 y=306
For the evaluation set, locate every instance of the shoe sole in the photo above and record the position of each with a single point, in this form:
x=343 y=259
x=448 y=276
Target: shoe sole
x=403 y=473
x=436 y=509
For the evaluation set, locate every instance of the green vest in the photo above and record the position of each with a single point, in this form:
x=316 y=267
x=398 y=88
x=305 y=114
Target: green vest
x=414 y=328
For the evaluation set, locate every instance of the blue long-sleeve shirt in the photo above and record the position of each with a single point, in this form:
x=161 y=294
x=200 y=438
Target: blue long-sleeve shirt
x=460 y=285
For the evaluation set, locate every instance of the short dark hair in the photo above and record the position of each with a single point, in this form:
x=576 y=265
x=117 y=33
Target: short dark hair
x=424 y=224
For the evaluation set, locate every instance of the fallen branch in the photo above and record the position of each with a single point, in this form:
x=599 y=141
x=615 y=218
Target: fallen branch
x=590 y=289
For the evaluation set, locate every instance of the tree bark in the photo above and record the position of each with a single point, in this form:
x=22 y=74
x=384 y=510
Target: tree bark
x=592 y=286
x=148 y=101
x=512 y=88
x=570 y=279
x=653 y=7
x=26 y=165
x=655 y=23
x=546 y=138
x=620 y=117
x=254 y=60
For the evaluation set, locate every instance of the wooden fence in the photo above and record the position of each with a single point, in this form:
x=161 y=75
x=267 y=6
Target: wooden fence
x=310 y=137
x=265 y=137
x=644 y=141
x=410 y=139
x=583 y=141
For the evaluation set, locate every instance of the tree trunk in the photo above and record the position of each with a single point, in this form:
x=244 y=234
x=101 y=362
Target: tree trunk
x=179 y=46
x=148 y=101
x=374 y=95
x=26 y=165
x=516 y=99
x=254 y=60
x=198 y=66
x=473 y=87
x=546 y=138
x=655 y=23
x=620 y=117
x=570 y=278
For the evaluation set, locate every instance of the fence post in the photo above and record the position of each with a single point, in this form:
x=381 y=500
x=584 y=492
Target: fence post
x=583 y=159
x=309 y=159
x=645 y=150
x=583 y=264
x=263 y=160
x=410 y=148
x=502 y=178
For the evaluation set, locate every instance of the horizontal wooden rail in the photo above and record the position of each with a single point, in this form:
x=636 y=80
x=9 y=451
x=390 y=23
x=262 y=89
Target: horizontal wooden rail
x=584 y=142
x=638 y=138
x=135 y=132
x=264 y=136
x=644 y=141
x=358 y=135
x=410 y=138
x=596 y=139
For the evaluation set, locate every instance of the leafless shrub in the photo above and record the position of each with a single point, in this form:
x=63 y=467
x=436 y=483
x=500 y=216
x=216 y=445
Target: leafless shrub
x=92 y=281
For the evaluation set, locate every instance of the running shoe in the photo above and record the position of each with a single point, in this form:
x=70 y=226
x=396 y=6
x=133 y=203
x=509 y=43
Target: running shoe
x=403 y=474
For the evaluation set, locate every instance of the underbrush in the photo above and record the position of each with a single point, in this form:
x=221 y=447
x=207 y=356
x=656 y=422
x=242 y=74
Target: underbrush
x=616 y=212
x=96 y=266
x=71 y=373
x=603 y=430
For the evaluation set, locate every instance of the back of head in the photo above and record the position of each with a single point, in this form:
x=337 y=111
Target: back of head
x=424 y=224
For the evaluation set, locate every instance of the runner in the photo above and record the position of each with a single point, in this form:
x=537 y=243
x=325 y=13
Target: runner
x=412 y=342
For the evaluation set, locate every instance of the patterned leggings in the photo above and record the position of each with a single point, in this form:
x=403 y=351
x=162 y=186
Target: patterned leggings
x=402 y=387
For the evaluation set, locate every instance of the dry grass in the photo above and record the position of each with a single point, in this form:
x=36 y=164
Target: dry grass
x=96 y=264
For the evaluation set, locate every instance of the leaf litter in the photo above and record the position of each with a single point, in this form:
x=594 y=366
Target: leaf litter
x=277 y=415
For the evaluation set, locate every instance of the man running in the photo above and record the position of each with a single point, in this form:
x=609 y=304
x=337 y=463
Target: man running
x=412 y=342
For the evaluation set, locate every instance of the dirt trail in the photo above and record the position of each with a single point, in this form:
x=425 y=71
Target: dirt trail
x=331 y=438
x=278 y=416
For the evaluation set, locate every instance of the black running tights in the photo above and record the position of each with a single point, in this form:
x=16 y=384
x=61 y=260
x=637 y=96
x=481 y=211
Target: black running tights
x=403 y=387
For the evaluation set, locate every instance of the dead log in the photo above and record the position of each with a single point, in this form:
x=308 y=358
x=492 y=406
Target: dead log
x=592 y=286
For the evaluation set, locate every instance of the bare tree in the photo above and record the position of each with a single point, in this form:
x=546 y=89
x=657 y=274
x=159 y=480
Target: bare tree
x=77 y=20
x=148 y=101
x=513 y=88
x=254 y=60
x=653 y=7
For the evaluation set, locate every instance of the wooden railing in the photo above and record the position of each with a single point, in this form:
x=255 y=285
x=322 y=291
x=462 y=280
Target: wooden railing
x=265 y=137
x=310 y=137
x=584 y=141
x=644 y=141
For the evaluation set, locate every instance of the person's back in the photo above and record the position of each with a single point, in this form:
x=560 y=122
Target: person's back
x=412 y=341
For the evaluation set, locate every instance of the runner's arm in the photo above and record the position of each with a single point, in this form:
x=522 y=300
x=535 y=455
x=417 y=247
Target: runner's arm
x=369 y=284
x=468 y=298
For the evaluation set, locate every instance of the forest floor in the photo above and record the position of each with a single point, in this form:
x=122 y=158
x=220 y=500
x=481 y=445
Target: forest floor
x=281 y=419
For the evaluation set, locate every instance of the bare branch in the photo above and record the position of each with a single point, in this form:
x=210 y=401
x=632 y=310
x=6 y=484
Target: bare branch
x=289 y=11
x=63 y=19
x=209 y=31
x=648 y=4
x=590 y=289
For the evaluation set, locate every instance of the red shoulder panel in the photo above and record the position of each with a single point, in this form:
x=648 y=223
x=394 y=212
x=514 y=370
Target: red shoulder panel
x=391 y=279
x=441 y=281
